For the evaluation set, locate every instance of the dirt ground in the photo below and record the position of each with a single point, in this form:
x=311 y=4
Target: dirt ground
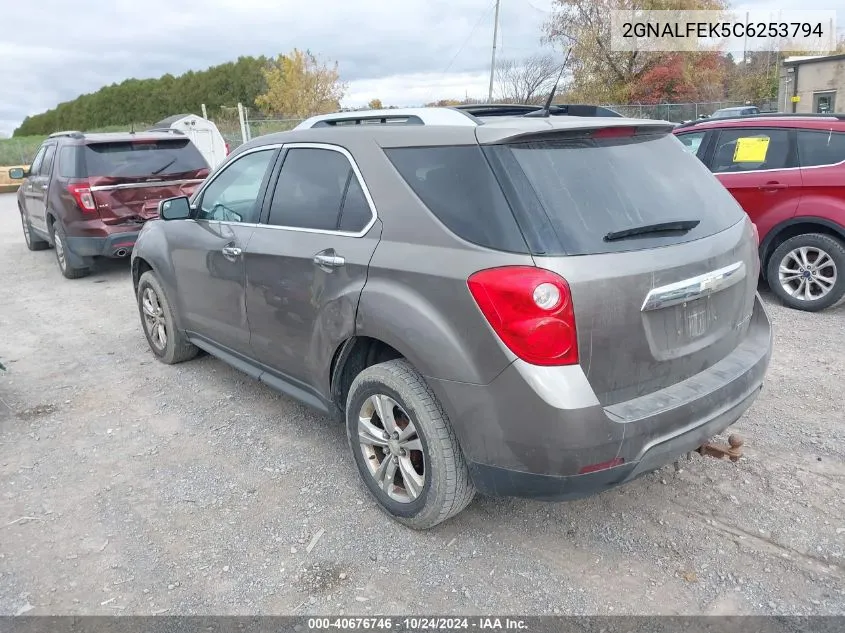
x=131 y=487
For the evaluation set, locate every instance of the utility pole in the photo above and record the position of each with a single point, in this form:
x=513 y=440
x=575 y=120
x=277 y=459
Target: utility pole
x=493 y=58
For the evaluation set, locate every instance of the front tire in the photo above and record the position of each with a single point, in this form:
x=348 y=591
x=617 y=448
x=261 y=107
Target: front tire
x=33 y=242
x=168 y=343
x=404 y=447
x=60 y=244
x=807 y=272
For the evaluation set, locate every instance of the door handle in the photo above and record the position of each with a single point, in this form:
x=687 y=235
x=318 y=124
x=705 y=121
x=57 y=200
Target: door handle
x=231 y=252
x=773 y=186
x=329 y=261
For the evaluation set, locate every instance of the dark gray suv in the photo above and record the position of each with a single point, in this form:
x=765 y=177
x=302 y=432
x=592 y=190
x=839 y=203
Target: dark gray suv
x=523 y=306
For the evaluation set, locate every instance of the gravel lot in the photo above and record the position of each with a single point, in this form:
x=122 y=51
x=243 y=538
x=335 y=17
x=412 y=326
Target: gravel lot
x=131 y=487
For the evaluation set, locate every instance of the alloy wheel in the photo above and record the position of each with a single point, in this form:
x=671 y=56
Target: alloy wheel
x=807 y=273
x=392 y=448
x=154 y=318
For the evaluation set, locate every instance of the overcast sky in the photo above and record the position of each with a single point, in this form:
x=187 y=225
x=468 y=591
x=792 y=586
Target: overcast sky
x=405 y=52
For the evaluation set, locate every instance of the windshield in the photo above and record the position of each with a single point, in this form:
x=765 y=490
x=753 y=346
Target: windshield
x=143 y=158
x=570 y=194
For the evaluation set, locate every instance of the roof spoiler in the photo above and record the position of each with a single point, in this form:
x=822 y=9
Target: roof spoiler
x=519 y=109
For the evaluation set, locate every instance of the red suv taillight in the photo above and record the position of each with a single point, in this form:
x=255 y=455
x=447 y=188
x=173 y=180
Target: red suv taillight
x=81 y=192
x=531 y=311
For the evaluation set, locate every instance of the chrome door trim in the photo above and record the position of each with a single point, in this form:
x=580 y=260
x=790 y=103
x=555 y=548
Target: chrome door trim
x=694 y=287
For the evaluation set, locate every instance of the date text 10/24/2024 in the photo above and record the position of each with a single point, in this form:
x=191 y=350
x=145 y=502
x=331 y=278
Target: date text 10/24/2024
x=418 y=624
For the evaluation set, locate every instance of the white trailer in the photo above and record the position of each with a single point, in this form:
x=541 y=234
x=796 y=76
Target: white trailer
x=202 y=132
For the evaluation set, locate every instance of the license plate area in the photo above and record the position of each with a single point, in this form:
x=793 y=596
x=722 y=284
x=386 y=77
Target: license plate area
x=694 y=319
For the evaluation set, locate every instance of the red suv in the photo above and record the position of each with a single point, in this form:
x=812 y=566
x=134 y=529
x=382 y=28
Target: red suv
x=788 y=173
x=89 y=194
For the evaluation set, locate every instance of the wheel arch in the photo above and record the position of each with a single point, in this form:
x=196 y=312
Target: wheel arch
x=352 y=357
x=793 y=227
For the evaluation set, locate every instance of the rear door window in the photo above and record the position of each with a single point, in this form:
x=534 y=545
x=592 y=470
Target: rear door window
x=739 y=150
x=817 y=148
x=142 y=158
x=318 y=190
x=569 y=194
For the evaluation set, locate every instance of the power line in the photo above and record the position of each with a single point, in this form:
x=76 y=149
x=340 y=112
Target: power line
x=469 y=37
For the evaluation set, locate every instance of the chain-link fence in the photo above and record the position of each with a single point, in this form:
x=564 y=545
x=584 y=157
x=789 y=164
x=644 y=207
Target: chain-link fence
x=239 y=125
x=675 y=112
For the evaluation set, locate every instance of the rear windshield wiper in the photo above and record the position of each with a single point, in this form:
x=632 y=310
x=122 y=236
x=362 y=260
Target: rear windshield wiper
x=165 y=166
x=660 y=227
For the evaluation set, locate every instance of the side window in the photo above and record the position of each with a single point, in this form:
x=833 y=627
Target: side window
x=68 y=166
x=47 y=163
x=739 y=150
x=355 y=213
x=317 y=189
x=692 y=141
x=233 y=195
x=820 y=148
x=36 y=163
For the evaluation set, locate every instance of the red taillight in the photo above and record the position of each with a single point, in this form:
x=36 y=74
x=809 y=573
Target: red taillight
x=531 y=311
x=614 y=132
x=81 y=192
x=592 y=468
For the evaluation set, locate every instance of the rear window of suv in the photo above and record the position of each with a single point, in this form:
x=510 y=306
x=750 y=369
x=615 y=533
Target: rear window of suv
x=134 y=159
x=562 y=197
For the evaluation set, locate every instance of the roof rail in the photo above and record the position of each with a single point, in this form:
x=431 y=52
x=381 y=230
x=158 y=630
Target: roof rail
x=520 y=109
x=70 y=133
x=768 y=115
x=393 y=116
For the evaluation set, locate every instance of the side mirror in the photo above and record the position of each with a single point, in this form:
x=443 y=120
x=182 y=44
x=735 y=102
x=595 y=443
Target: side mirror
x=175 y=208
x=17 y=173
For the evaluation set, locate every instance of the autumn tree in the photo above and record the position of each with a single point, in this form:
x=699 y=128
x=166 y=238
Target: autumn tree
x=375 y=104
x=299 y=85
x=527 y=80
x=597 y=73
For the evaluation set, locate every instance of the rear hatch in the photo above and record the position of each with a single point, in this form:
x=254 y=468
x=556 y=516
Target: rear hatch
x=661 y=261
x=128 y=178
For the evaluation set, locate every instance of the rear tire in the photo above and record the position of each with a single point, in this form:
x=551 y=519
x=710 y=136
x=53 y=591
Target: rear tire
x=807 y=272
x=169 y=344
x=33 y=242
x=417 y=473
x=60 y=244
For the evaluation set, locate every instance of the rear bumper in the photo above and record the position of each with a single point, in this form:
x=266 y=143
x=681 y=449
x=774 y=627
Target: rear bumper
x=115 y=245
x=532 y=430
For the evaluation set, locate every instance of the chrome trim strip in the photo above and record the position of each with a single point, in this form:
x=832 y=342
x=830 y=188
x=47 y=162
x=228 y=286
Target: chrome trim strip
x=694 y=287
x=152 y=183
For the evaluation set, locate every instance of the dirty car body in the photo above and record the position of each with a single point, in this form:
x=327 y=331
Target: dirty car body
x=516 y=267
